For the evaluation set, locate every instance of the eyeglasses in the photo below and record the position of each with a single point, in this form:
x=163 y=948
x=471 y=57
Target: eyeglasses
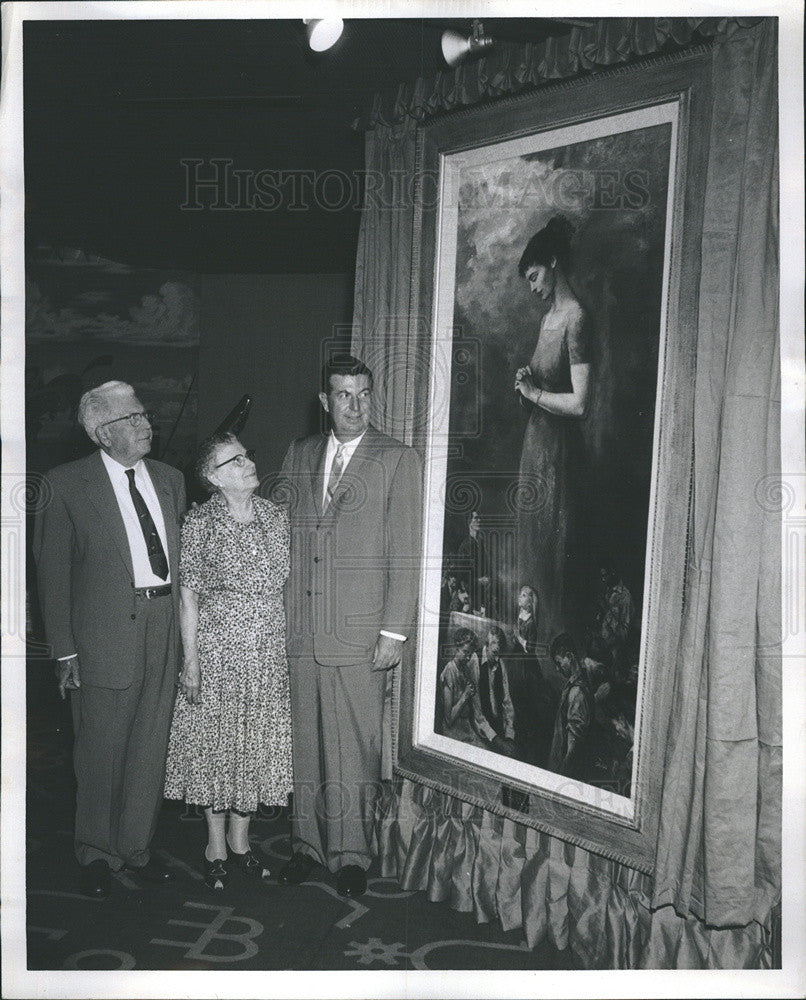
x=135 y=419
x=239 y=460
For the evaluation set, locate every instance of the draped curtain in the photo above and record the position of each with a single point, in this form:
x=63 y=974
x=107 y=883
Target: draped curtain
x=386 y=336
x=511 y=67
x=721 y=860
x=715 y=898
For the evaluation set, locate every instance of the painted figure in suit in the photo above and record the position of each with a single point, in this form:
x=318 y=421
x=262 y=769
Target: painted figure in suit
x=493 y=712
x=106 y=548
x=354 y=503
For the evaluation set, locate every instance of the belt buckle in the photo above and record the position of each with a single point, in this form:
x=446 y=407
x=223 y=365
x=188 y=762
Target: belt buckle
x=150 y=592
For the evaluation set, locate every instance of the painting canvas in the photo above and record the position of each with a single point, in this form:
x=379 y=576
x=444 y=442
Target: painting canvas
x=539 y=518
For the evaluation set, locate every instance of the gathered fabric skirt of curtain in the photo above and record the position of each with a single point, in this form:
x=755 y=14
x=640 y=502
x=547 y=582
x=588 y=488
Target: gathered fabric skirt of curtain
x=488 y=865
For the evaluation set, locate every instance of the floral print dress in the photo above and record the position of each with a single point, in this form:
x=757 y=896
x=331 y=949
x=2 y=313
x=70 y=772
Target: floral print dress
x=233 y=750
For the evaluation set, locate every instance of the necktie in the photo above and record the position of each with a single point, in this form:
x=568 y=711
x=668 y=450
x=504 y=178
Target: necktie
x=335 y=475
x=156 y=553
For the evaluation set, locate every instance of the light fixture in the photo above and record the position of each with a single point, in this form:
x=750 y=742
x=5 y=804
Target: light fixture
x=456 y=48
x=323 y=32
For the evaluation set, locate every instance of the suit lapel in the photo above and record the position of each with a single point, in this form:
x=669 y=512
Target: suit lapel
x=353 y=473
x=102 y=496
x=318 y=475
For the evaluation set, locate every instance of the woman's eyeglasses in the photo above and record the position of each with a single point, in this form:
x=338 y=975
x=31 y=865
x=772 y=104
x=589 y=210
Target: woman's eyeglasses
x=239 y=460
x=135 y=419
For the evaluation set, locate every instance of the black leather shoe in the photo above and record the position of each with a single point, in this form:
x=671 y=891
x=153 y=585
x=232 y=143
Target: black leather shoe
x=216 y=875
x=249 y=864
x=154 y=872
x=297 y=870
x=95 y=879
x=351 y=881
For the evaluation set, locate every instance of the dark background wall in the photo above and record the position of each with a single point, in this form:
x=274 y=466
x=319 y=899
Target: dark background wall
x=264 y=335
x=115 y=110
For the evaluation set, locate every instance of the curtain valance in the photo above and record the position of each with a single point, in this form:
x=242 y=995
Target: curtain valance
x=512 y=67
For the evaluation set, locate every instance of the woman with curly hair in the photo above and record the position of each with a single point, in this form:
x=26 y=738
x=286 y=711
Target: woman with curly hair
x=230 y=743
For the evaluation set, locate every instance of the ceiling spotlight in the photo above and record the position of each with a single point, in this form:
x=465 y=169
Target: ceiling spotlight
x=323 y=32
x=456 y=48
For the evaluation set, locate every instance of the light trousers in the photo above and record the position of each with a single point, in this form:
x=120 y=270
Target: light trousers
x=337 y=724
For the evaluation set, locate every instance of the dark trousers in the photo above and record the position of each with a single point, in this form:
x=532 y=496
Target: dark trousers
x=121 y=742
x=337 y=724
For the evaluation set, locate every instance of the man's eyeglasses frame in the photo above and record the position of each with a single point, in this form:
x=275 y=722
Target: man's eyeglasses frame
x=135 y=419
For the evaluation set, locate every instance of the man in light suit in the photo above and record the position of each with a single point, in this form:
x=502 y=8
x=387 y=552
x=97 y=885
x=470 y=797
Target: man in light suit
x=107 y=550
x=354 y=501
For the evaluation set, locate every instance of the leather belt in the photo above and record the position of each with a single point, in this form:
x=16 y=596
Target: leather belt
x=149 y=592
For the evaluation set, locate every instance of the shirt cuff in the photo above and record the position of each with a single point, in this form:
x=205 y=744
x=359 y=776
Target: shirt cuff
x=393 y=635
x=62 y=659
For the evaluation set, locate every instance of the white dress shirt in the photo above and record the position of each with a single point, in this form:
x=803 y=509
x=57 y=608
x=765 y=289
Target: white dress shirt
x=144 y=575
x=348 y=450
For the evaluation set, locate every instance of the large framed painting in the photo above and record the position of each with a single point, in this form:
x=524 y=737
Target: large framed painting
x=558 y=271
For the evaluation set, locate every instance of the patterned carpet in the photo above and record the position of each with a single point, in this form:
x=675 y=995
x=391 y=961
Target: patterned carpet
x=186 y=926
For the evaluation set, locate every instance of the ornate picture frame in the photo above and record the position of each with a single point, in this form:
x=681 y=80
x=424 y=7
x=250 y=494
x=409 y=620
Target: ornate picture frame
x=620 y=160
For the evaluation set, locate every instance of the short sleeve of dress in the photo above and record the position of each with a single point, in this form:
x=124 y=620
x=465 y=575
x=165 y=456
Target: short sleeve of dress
x=578 y=338
x=192 y=572
x=284 y=531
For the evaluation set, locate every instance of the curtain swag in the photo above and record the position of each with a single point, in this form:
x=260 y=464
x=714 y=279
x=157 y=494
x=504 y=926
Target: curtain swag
x=511 y=67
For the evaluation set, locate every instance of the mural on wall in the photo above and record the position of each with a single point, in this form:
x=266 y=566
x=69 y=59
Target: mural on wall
x=90 y=320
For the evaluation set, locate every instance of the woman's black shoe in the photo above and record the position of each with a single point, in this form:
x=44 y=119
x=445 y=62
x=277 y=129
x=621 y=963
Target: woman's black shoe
x=249 y=864
x=216 y=875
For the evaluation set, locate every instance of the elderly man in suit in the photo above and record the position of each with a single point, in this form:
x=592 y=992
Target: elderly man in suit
x=107 y=548
x=355 y=500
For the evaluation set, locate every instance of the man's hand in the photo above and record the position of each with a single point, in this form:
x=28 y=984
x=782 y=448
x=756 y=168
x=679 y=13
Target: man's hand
x=67 y=675
x=388 y=653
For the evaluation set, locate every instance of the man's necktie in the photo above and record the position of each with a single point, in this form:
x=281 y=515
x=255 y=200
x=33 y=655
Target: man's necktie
x=335 y=475
x=156 y=553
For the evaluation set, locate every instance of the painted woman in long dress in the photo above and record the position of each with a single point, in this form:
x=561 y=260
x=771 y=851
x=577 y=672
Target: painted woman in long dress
x=555 y=387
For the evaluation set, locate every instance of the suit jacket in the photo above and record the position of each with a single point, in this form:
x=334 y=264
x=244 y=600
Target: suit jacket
x=86 y=579
x=484 y=719
x=355 y=566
